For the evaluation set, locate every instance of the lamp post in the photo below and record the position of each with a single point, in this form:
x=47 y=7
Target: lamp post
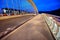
x=35 y=8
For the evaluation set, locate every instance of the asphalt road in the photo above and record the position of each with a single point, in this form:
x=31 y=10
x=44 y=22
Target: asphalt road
x=13 y=22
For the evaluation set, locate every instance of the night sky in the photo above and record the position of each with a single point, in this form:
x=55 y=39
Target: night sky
x=42 y=5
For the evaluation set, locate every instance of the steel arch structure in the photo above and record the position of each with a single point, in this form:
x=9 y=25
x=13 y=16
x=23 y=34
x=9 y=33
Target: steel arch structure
x=35 y=8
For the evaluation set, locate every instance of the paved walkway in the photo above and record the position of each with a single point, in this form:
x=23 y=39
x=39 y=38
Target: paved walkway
x=35 y=29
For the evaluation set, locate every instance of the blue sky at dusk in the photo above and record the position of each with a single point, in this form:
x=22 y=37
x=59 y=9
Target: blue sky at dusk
x=42 y=5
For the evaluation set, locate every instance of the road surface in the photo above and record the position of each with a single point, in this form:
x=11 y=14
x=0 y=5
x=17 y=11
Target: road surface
x=13 y=22
x=34 y=29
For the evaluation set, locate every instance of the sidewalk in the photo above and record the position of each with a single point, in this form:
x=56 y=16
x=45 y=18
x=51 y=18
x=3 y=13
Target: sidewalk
x=7 y=17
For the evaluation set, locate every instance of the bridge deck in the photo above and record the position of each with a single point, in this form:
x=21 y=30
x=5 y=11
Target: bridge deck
x=35 y=29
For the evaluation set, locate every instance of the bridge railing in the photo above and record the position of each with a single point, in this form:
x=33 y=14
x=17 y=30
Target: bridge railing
x=55 y=29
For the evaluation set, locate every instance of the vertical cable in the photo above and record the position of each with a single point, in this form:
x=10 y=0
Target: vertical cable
x=19 y=5
x=7 y=7
x=13 y=7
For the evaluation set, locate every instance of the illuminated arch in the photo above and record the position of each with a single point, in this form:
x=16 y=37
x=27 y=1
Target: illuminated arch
x=35 y=8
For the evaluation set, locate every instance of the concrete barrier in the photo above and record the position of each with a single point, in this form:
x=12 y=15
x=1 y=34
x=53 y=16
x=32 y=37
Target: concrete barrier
x=53 y=26
x=58 y=35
